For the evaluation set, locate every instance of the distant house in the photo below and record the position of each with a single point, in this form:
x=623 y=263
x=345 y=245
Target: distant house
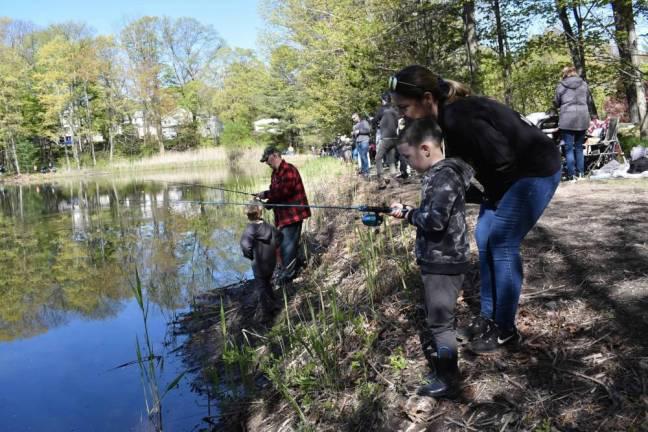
x=268 y=125
x=66 y=127
x=208 y=126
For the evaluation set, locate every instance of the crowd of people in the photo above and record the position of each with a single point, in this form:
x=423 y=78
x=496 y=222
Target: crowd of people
x=449 y=137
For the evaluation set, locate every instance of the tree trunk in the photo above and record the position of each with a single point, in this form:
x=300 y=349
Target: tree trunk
x=67 y=157
x=503 y=54
x=89 y=124
x=575 y=42
x=158 y=132
x=14 y=153
x=111 y=140
x=571 y=39
x=472 y=45
x=626 y=38
x=75 y=151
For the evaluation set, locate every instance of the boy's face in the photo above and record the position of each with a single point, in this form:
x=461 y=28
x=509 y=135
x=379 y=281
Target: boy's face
x=421 y=158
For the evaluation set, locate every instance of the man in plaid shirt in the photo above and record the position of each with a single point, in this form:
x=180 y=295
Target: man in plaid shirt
x=286 y=187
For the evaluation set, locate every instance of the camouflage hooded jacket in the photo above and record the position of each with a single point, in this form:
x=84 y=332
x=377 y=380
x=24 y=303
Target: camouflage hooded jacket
x=441 y=238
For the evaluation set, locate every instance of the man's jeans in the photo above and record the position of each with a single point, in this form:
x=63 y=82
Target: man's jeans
x=363 y=151
x=499 y=233
x=574 y=146
x=289 y=248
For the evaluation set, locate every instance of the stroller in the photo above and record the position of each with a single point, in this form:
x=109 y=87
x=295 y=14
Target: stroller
x=603 y=147
x=601 y=144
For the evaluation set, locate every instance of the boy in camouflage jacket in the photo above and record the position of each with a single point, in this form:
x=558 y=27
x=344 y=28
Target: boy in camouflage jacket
x=442 y=250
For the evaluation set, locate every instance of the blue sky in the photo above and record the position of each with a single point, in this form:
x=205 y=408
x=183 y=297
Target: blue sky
x=237 y=21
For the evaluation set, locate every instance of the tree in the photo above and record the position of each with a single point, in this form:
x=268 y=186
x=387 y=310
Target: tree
x=113 y=100
x=57 y=88
x=627 y=42
x=13 y=92
x=472 y=45
x=190 y=51
x=142 y=43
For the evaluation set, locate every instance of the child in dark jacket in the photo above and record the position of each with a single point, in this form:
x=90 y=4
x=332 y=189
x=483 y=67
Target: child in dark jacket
x=442 y=249
x=259 y=243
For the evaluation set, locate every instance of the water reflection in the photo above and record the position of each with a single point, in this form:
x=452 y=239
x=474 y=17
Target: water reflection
x=68 y=255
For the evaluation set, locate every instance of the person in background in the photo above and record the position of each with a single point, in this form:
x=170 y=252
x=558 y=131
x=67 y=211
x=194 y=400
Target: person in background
x=442 y=250
x=286 y=188
x=361 y=131
x=386 y=120
x=259 y=243
x=572 y=94
x=519 y=168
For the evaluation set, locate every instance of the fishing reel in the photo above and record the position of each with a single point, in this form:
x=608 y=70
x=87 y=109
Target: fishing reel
x=372 y=216
x=372 y=219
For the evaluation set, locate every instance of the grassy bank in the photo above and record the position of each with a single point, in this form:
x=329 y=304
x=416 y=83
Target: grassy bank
x=168 y=165
x=348 y=349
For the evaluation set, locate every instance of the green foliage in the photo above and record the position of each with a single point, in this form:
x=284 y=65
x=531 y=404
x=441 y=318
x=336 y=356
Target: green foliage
x=28 y=156
x=628 y=142
x=237 y=134
x=397 y=360
x=319 y=62
x=544 y=427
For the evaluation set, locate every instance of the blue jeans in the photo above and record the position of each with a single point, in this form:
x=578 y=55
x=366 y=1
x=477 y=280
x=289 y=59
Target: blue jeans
x=289 y=248
x=574 y=146
x=363 y=151
x=499 y=233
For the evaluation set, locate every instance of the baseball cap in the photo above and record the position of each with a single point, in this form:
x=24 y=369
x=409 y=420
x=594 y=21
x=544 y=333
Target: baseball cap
x=267 y=152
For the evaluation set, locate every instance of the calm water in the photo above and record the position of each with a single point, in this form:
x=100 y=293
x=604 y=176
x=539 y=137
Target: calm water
x=69 y=255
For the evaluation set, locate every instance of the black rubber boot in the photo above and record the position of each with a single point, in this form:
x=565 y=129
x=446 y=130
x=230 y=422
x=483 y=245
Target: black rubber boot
x=443 y=383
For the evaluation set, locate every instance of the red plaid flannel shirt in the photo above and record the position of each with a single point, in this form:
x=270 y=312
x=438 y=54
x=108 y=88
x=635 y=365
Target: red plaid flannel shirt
x=286 y=187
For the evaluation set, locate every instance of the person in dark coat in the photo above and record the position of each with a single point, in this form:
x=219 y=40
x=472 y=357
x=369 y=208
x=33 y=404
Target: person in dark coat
x=572 y=95
x=259 y=243
x=386 y=120
x=519 y=168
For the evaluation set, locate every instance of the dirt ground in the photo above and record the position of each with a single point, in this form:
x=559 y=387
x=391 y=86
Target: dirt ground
x=583 y=362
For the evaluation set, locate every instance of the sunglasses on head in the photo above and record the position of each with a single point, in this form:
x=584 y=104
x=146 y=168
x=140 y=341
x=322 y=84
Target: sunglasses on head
x=394 y=83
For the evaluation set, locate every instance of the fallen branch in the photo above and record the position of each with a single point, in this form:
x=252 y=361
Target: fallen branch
x=595 y=380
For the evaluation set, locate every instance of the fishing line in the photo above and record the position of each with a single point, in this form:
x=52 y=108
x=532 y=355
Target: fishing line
x=371 y=217
x=202 y=186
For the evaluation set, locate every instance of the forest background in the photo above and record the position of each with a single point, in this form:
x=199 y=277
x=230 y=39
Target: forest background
x=318 y=61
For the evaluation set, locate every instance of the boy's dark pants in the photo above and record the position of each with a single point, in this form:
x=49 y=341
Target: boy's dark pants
x=264 y=287
x=441 y=292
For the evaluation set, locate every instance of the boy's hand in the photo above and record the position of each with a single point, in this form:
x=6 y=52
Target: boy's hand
x=398 y=210
x=261 y=195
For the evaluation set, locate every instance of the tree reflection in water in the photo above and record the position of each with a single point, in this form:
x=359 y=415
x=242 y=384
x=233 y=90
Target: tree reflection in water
x=75 y=251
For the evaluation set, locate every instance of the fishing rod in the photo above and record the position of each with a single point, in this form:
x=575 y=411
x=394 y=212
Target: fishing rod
x=371 y=214
x=202 y=186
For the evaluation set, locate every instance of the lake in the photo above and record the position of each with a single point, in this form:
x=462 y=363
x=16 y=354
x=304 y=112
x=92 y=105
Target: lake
x=78 y=352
